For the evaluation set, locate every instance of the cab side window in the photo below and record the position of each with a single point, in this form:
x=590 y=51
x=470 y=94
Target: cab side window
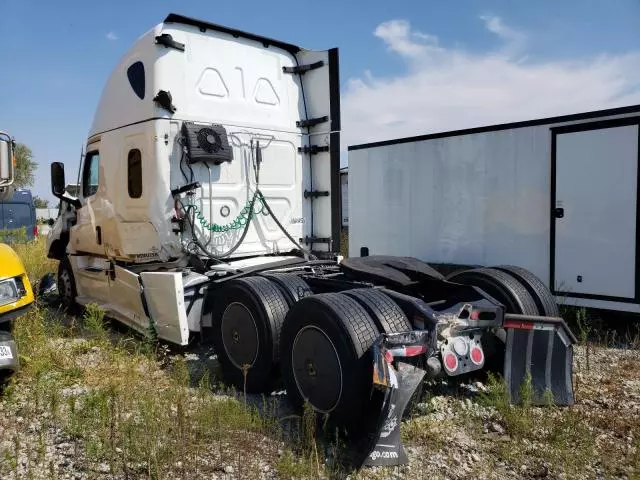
x=134 y=173
x=90 y=174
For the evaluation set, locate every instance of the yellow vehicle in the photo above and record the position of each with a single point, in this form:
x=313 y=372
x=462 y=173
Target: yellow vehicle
x=16 y=294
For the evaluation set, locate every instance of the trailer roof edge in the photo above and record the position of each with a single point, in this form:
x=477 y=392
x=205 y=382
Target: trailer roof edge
x=502 y=126
x=175 y=18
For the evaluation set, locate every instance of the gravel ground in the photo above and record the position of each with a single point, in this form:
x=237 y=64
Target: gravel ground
x=453 y=434
x=457 y=437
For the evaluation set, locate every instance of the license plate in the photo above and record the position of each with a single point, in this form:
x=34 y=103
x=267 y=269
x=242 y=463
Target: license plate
x=5 y=353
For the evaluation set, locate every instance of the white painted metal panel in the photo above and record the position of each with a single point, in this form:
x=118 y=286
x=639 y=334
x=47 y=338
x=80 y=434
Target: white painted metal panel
x=478 y=198
x=318 y=168
x=596 y=185
x=91 y=279
x=472 y=199
x=629 y=307
x=125 y=299
x=165 y=300
x=238 y=79
x=344 y=196
x=242 y=85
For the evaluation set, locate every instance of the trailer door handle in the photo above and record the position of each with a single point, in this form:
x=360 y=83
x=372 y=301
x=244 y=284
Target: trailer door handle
x=558 y=212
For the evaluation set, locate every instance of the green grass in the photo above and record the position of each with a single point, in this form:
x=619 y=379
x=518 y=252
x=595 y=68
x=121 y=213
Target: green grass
x=555 y=435
x=124 y=406
x=128 y=413
x=34 y=257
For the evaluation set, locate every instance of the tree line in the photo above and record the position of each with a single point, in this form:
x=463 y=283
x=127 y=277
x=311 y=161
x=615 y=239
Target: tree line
x=25 y=169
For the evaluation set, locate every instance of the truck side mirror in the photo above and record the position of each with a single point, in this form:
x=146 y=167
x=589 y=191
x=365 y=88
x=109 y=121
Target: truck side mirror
x=6 y=162
x=58 y=185
x=57 y=179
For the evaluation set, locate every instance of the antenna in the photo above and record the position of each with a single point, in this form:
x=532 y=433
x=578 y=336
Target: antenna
x=79 y=170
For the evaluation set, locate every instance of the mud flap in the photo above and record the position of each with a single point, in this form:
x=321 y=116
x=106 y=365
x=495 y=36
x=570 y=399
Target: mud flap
x=398 y=384
x=388 y=449
x=541 y=347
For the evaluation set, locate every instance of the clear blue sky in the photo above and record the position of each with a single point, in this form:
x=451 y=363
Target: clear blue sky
x=56 y=55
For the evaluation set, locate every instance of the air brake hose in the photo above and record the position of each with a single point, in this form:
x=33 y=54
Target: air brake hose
x=249 y=215
x=243 y=220
x=307 y=255
x=196 y=240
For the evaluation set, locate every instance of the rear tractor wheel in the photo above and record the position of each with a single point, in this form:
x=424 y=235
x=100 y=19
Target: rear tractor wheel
x=505 y=289
x=291 y=285
x=247 y=315
x=389 y=318
x=542 y=296
x=323 y=358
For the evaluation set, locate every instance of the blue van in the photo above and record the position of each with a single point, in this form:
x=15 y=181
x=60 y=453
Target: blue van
x=16 y=213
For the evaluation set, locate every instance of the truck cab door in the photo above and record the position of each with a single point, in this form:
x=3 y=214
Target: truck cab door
x=86 y=235
x=88 y=259
x=318 y=76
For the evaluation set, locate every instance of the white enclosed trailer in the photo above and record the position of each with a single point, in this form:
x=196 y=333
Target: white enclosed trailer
x=557 y=196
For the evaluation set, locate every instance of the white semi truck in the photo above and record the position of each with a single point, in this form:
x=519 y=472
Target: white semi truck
x=209 y=206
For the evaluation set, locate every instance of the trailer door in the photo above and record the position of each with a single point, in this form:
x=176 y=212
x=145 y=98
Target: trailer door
x=594 y=210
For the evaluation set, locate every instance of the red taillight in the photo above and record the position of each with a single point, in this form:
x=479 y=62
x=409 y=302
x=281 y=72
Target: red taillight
x=477 y=355
x=415 y=350
x=450 y=361
x=35 y=231
x=388 y=356
x=410 y=351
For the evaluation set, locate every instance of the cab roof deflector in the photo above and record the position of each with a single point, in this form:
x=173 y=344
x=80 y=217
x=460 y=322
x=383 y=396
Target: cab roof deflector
x=175 y=18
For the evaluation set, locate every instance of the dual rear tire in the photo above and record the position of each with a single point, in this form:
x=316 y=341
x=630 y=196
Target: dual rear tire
x=247 y=316
x=318 y=343
x=517 y=289
x=323 y=356
x=270 y=324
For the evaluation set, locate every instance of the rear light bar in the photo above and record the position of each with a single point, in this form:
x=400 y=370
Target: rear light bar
x=462 y=354
x=410 y=351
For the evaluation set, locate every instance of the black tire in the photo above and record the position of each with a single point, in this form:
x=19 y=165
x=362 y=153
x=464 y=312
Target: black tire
x=389 y=318
x=543 y=297
x=504 y=288
x=325 y=339
x=501 y=286
x=387 y=315
x=67 y=286
x=292 y=286
x=247 y=317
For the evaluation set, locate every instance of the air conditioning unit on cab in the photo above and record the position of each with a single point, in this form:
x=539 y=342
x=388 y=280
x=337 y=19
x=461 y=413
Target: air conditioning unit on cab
x=206 y=143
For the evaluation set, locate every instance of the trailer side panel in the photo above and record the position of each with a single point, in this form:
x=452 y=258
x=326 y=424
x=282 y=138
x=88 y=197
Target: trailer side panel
x=487 y=196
